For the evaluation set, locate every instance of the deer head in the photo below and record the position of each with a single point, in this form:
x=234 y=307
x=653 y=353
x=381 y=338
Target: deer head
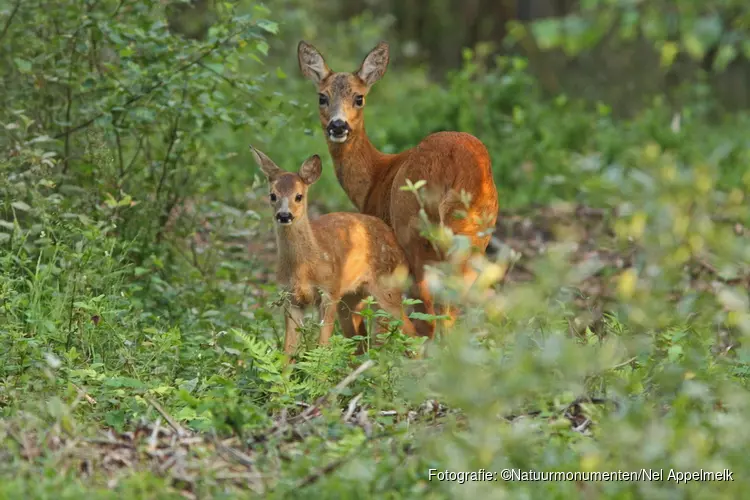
x=288 y=191
x=341 y=96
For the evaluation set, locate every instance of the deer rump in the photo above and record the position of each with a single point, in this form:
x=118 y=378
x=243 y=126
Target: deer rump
x=451 y=163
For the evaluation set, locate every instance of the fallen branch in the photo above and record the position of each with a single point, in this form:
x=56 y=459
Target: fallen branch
x=352 y=407
x=172 y=423
x=315 y=408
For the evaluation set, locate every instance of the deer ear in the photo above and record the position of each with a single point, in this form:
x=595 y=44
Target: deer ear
x=310 y=171
x=311 y=63
x=374 y=66
x=268 y=167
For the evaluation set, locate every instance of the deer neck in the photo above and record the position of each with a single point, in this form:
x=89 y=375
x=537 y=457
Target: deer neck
x=295 y=243
x=357 y=163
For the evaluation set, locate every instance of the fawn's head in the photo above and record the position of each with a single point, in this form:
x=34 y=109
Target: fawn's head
x=288 y=191
x=341 y=96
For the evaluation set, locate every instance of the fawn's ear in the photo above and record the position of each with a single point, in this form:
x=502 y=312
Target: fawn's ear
x=374 y=66
x=268 y=167
x=310 y=171
x=311 y=63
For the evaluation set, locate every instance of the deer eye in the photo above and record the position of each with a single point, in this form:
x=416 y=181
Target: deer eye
x=298 y=198
x=322 y=99
x=359 y=100
x=273 y=197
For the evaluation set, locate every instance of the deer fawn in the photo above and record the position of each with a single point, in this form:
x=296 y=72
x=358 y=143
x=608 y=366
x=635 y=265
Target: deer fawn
x=453 y=164
x=343 y=255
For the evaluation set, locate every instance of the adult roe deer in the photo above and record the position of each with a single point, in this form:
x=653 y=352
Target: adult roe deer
x=341 y=254
x=450 y=163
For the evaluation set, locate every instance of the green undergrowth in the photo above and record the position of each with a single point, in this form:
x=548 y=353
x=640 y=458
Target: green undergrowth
x=139 y=331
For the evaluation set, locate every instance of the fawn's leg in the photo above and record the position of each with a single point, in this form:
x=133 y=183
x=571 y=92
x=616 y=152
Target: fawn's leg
x=351 y=322
x=327 y=319
x=293 y=320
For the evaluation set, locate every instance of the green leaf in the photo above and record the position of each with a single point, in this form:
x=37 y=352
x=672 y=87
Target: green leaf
x=216 y=68
x=547 y=33
x=427 y=317
x=125 y=382
x=269 y=26
x=709 y=29
x=23 y=65
x=669 y=51
x=674 y=353
x=726 y=54
x=694 y=46
x=19 y=205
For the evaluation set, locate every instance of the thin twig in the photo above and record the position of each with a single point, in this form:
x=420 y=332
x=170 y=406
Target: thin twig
x=234 y=454
x=120 y=159
x=10 y=19
x=170 y=145
x=352 y=406
x=69 y=339
x=315 y=476
x=352 y=377
x=335 y=391
x=154 y=435
x=84 y=394
x=624 y=363
x=172 y=423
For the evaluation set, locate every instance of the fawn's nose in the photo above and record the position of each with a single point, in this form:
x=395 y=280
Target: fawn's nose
x=338 y=128
x=284 y=217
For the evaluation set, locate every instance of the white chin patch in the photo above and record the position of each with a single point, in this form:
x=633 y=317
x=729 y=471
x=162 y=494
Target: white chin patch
x=338 y=139
x=284 y=223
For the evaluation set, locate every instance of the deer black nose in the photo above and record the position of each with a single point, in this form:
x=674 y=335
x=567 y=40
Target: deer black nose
x=284 y=217
x=338 y=127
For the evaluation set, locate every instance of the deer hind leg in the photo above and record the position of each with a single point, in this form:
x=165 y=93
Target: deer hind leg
x=389 y=299
x=349 y=319
x=452 y=311
x=422 y=253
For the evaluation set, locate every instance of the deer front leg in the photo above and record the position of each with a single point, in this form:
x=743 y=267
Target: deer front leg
x=293 y=320
x=327 y=319
x=421 y=291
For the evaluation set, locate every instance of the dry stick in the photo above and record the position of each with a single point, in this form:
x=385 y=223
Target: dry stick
x=336 y=390
x=352 y=406
x=172 y=423
x=620 y=365
x=154 y=435
x=234 y=454
x=84 y=394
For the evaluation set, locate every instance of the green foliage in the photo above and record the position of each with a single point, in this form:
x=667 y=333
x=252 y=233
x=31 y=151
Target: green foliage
x=694 y=29
x=135 y=251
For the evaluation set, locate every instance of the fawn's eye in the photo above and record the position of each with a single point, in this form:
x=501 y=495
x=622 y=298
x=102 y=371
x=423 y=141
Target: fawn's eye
x=322 y=99
x=273 y=197
x=298 y=198
x=359 y=100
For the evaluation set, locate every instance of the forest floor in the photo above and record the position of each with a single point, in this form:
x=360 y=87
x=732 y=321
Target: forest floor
x=165 y=449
